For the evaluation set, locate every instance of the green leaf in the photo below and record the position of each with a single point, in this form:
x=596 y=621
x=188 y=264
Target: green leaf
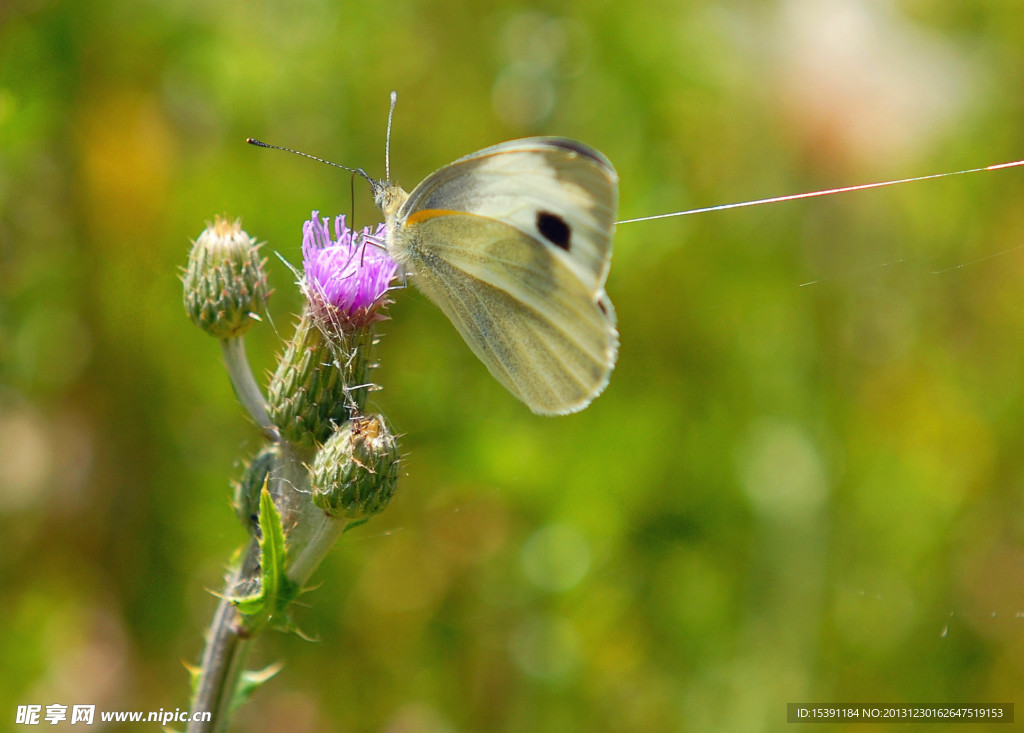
x=355 y=523
x=250 y=681
x=276 y=591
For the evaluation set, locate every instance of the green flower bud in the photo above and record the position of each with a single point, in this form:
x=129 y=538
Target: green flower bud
x=247 y=490
x=225 y=284
x=355 y=473
x=321 y=380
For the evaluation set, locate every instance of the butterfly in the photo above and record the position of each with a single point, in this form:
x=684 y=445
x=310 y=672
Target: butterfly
x=513 y=244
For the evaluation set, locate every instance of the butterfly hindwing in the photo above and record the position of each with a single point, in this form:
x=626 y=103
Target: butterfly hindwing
x=532 y=323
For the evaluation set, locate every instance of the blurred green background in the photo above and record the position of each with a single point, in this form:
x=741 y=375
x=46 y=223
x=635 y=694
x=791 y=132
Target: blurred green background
x=804 y=482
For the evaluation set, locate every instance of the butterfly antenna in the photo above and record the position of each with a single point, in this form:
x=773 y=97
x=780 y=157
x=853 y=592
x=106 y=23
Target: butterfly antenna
x=387 y=140
x=358 y=171
x=825 y=192
x=352 y=201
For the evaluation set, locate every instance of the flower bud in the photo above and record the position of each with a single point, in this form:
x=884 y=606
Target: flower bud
x=247 y=490
x=225 y=284
x=355 y=473
x=320 y=381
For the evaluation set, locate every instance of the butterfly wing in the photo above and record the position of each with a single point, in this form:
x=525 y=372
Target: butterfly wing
x=519 y=181
x=513 y=244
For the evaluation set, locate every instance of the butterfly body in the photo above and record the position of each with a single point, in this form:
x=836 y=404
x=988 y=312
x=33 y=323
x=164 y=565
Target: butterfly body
x=513 y=243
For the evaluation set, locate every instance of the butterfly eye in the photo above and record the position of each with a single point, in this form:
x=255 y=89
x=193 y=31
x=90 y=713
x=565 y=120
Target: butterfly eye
x=554 y=229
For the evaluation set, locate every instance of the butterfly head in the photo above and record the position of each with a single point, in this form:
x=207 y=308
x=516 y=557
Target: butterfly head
x=388 y=197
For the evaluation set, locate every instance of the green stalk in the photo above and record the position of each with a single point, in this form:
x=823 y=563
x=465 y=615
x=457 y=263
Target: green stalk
x=226 y=653
x=246 y=388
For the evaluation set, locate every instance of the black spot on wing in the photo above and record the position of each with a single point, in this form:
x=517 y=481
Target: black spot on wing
x=554 y=229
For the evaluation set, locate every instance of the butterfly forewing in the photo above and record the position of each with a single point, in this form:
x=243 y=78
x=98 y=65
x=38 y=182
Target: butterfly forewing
x=557 y=191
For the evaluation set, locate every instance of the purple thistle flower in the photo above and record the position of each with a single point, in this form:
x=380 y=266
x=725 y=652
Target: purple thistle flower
x=347 y=277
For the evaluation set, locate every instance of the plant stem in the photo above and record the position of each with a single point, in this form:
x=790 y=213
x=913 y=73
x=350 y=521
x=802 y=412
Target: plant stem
x=312 y=533
x=226 y=653
x=246 y=388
